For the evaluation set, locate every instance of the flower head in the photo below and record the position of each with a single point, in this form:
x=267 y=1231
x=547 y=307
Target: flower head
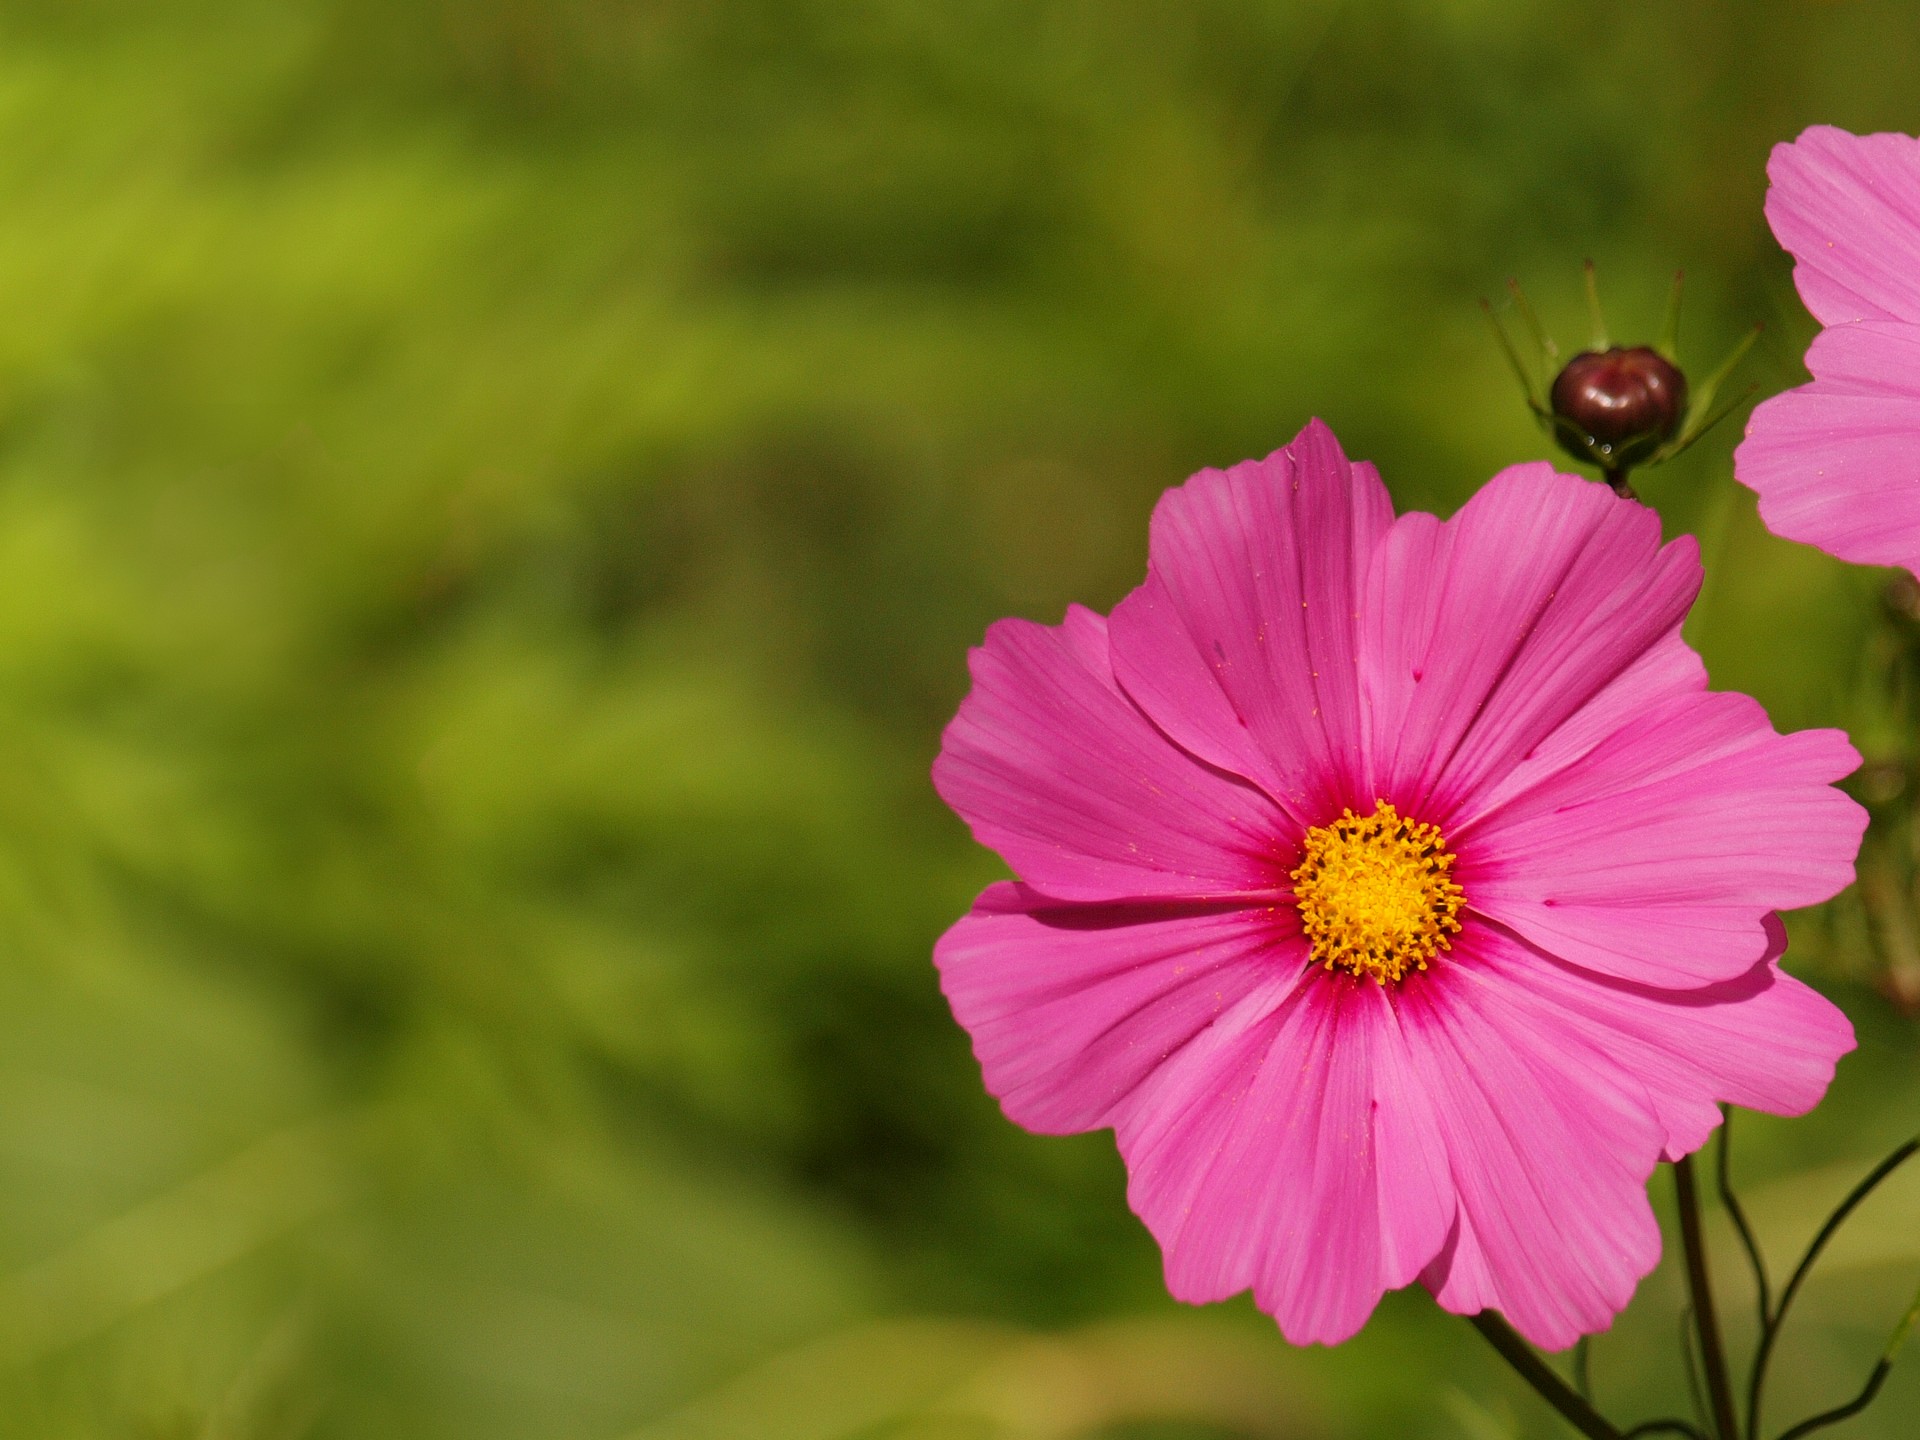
x=1393 y=888
x=1836 y=462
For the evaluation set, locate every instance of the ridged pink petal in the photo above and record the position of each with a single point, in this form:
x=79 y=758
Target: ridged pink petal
x=1550 y=1141
x=1837 y=463
x=1072 y=1008
x=1061 y=774
x=1292 y=1150
x=1485 y=635
x=1658 y=855
x=1667 y=671
x=1847 y=208
x=1763 y=1040
x=1241 y=643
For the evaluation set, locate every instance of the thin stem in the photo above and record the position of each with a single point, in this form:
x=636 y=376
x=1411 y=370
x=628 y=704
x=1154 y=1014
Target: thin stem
x=1669 y=345
x=1622 y=486
x=1689 y=1352
x=1843 y=1412
x=1874 y=1381
x=1687 y=438
x=1594 y=317
x=1713 y=1358
x=1739 y=1218
x=1583 y=1367
x=1704 y=392
x=1543 y=345
x=1756 y=1385
x=1535 y=1371
x=1520 y=371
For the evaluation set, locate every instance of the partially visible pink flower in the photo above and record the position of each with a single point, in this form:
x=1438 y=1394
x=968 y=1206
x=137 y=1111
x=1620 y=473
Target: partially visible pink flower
x=1836 y=463
x=1394 y=889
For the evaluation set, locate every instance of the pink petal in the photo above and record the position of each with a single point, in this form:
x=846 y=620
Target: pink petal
x=1293 y=1152
x=1060 y=773
x=1550 y=1143
x=1847 y=208
x=1073 y=1008
x=1837 y=463
x=1658 y=855
x=1240 y=644
x=1762 y=1040
x=1485 y=635
x=1666 y=671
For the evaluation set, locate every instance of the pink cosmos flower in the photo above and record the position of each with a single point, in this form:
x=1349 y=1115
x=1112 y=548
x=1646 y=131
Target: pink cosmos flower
x=1394 y=888
x=1836 y=463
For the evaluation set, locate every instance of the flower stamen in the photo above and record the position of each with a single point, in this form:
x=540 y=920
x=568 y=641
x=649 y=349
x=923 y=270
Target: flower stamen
x=1376 y=893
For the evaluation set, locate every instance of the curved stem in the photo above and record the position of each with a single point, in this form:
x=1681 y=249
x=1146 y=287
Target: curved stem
x=1843 y=1412
x=1739 y=1217
x=1689 y=1350
x=1768 y=1336
x=1713 y=1357
x=1535 y=1371
x=1874 y=1381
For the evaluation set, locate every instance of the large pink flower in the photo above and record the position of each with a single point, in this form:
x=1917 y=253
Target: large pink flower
x=1836 y=463
x=1395 y=889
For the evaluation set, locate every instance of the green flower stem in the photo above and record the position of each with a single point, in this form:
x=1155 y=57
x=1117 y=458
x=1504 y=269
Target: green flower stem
x=1763 y=1290
x=1756 y=1387
x=1535 y=1371
x=1713 y=1357
x=1874 y=1381
x=1845 y=1412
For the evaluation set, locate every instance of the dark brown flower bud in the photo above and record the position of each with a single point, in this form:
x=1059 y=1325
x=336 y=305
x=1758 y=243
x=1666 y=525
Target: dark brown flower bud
x=1621 y=403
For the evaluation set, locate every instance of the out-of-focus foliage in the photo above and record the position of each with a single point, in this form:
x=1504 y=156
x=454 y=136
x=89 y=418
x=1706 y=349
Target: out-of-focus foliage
x=918 y=1380
x=494 y=495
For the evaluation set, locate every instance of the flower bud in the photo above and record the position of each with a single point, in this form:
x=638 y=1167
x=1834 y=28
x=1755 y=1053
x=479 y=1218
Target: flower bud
x=1616 y=407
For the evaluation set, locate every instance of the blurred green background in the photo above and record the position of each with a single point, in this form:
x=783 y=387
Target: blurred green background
x=494 y=498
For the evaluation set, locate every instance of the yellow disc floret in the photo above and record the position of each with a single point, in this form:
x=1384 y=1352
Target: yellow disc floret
x=1376 y=893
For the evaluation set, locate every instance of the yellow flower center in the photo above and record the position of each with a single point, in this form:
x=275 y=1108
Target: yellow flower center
x=1376 y=893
